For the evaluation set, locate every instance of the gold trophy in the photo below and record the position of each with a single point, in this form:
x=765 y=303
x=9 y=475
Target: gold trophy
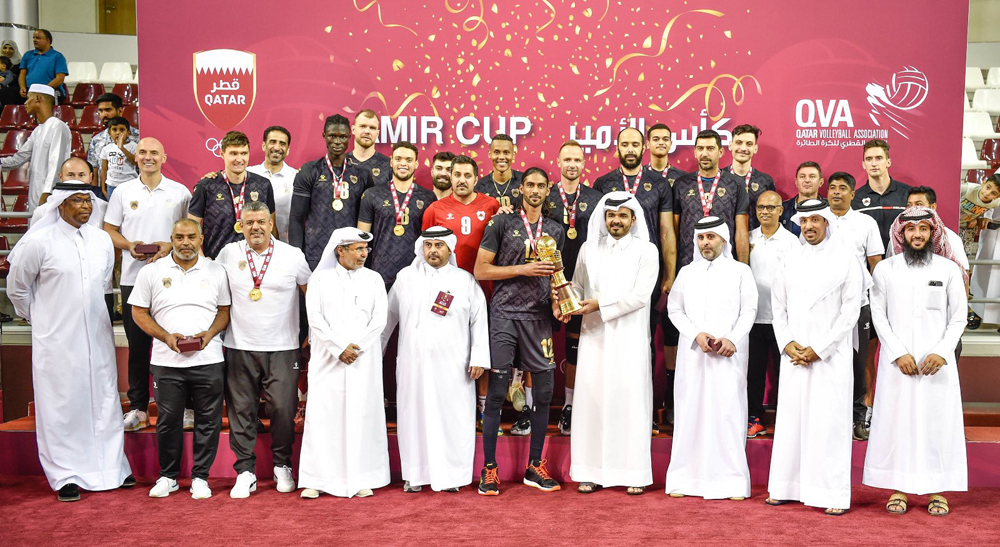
x=547 y=250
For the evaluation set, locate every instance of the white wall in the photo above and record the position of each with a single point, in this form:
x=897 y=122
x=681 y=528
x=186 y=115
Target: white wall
x=68 y=15
x=98 y=48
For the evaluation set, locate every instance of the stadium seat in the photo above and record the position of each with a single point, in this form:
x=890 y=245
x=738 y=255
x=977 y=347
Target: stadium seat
x=85 y=94
x=15 y=182
x=991 y=152
x=4 y=265
x=90 y=121
x=115 y=73
x=13 y=141
x=967 y=105
x=970 y=159
x=978 y=176
x=17 y=225
x=65 y=113
x=77 y=149
x=993 y=77
x=978 y=126
x=80 y=72
x=128 y=92
x=15 y=116
x=987 y=100
x=131 y=113
x=974 y=78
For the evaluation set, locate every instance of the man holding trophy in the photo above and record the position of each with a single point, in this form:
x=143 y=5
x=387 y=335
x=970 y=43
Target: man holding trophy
x=615 y=274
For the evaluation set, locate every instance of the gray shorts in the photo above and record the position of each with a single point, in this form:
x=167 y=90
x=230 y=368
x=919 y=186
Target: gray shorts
x=530 y=340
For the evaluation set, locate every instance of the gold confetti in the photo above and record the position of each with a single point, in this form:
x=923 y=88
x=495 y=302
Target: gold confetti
x=648 y=42
x=396 y=65
x=507 y=53
x=378 y=10
x=728 y=33
x=574 y=69
x=642 y=76
x=432 y=37
x=328 y=29
x=588 y=12
x=541 y=97
x=475 y=80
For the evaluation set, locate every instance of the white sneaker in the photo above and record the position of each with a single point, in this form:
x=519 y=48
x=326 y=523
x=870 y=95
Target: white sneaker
x=246 y=482
x=188 y=419
x=309 y=494
x=364 y=493
x=200 y=489
x=135 y=420
x=163 y=487
x=283 y=476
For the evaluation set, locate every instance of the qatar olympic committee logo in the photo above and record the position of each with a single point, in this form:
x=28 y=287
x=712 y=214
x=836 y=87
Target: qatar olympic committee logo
x=225 y=85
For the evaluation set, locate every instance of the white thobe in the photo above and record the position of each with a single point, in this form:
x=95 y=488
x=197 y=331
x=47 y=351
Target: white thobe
x=610 y=444
x=47 y=148
x=917 y=441
x=435 y=396
x=344 y=444
x=816 y=302
x=708 y=453
x=985 y=281
x=57 y=282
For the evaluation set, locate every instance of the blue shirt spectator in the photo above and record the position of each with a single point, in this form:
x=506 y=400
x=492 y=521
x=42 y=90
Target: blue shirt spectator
x=43 y=65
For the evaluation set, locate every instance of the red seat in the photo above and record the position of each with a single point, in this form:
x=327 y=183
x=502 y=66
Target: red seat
x=84 y=94
x=15 y=116
x=76 y=149
x=16 y=181
x=131 y=113
x=65 y=113
x=979 y=176
x=4 y=265
x=128 y=92
x=991 y=152
x=13 y=141
x=90 y=121
x=17 y=225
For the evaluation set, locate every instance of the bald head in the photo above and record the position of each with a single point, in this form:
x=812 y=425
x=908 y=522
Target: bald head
x=76 y=169
x=631 y=146
x=149 y=156
x=769 y=211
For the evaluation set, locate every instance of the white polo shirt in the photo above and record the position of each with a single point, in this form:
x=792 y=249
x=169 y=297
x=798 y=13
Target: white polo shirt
x=766 y=256
x=145 y=215
x=861 y=233
x=182 y=302
x=271 y=323
x=281 y=184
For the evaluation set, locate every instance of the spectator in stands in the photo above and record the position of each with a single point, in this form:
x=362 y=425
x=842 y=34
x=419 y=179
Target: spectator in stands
x=981 y=201
x=47 y=147
x=43 y=65
x=8 y=48
x=8 y=83
x=108 y=106
x=117 y=157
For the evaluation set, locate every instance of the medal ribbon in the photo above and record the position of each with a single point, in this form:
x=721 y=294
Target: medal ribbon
x=635 y=187
x=565 y=200
x=263 y=269
x=538 y=232
x=237 y=203
x=336 y=182
x=746 y=180
x=395 y=201
x=706 y=200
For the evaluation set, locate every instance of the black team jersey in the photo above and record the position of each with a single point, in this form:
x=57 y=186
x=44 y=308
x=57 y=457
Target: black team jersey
x=508 y=193
x=391 y=253
x=884 y=207
x=730 y=200
x=377 y=166
x=653 y=195
x=758 y=183
x=520 y=298
x=213 y=202
x=586 y=199
x=671 y=174
x=314 y=182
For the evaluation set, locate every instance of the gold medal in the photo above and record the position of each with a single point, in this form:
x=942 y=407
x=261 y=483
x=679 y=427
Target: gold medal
x=255 y=294
x=571 y=233
x=399 y=230
x=238 y=227
x=338 y=204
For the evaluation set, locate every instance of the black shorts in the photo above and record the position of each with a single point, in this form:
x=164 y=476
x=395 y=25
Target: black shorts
x=528 y=340
x=670 y=333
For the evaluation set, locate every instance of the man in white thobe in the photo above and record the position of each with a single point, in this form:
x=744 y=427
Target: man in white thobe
x=345 y=447
x=917 y=442
x=47 y=148
x=59 y=273
x=615 y=274
x=444 y=348
x=713 y=304
x=816 y=301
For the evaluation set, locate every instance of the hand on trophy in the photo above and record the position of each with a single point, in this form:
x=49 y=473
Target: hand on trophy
x=564 y=295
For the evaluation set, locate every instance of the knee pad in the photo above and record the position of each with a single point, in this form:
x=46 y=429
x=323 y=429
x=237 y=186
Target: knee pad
x=496 y=392
x=572 y=349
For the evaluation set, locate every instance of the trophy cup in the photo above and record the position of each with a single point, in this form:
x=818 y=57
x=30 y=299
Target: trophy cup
x=546 y=250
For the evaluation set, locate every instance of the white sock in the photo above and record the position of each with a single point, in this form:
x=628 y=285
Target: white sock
x=481 y=403
x=527 y=397
x=569 y=397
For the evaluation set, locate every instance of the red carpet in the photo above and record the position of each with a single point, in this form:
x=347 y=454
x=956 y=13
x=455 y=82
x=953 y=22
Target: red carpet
x=29 y=514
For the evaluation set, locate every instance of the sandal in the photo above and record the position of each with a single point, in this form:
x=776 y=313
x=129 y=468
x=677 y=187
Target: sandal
x=897 y=504
x=635 y=490
x=973 y=321
x=938 y=502
x=836 y=512
x=588 y=488
x=774 y=503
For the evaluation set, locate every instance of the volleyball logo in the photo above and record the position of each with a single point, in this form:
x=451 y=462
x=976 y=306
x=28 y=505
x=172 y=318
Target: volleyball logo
x=907 y=90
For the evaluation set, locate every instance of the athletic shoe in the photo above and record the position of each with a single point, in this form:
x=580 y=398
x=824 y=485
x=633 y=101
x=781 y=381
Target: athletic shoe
x=246 y=482
x=200 y=489
x=754 y=428
x=536 y=475
x=522 y=426
x=515 y=394
x=860 y=431
x=411 y=489
x=365 y=493
x=656 y=428
x=70 y=492
x=188 y=419
x=163 y=487
x=565 y=419
x=283 y=476
x=309 y=494
x=451 y=490
x=136 y=420
x=489 y=482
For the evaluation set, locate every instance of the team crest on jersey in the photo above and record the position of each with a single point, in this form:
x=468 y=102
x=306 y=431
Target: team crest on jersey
x=648 y=186
x=490 y=223
x=420 y=204
x=754 y=186
x=451 y=216
x=550 y=205
x=386 y=203
x=254 y=196
x=375 y=171
x=218 y=197
x=866 y=201
x=481 y=215
x=515 y=192
x=690 y=193
x=722 y=192
x=166 y=282
x=134 y=205
x=583 y=207
x=242 y=265
x=322 y=178
x=354 y=179
x=517 y=233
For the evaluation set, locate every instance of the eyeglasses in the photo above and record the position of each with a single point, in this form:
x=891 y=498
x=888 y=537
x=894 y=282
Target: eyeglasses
x=768 y=208
x=80 y=201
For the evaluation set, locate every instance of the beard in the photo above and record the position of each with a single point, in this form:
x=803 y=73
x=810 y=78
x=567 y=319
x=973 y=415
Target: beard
x=917 y=257
x=442 y=183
